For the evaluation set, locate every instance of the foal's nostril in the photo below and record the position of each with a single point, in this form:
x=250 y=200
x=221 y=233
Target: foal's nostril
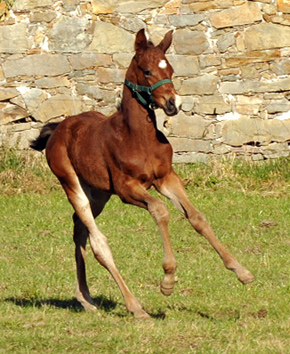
x=171 y=104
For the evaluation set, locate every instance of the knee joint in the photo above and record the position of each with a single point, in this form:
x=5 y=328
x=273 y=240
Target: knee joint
x=159 y=212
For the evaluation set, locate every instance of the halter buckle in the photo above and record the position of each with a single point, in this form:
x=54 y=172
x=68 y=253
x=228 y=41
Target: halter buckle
x=153 y=106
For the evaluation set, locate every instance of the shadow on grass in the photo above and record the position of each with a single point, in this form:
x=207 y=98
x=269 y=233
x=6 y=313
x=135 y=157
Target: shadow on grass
x=160 y=315
x=72 y=304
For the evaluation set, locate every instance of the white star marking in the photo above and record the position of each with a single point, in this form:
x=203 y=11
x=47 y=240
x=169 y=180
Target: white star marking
x=162 y=64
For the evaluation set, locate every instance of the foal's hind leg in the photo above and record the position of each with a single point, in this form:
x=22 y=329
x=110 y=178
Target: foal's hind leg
x=80 y=238
x=98 y=241
x=172 y=187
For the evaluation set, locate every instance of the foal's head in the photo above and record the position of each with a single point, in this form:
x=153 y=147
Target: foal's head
x=152 y=68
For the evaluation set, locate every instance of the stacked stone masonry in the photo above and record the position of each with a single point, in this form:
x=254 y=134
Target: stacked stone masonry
x=231 y=62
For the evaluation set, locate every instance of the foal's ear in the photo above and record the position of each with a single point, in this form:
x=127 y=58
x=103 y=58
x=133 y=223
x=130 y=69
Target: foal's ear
x=141 y=41
x=166 y=41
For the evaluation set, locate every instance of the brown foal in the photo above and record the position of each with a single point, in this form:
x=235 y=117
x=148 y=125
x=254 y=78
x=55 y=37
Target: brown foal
x=94 y=157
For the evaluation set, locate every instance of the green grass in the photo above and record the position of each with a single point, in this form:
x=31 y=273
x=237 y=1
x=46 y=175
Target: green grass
x=209 y=312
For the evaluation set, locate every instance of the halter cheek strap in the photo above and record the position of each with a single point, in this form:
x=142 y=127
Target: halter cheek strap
x=138 y=90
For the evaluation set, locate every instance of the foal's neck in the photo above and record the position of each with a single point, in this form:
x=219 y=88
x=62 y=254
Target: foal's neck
x=135 y=115
x=138 y=119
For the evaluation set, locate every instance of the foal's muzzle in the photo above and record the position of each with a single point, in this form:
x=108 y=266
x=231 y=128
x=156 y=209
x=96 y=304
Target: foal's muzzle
x=172 y=106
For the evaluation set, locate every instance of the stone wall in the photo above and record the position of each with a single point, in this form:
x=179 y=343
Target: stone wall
x=231 y=61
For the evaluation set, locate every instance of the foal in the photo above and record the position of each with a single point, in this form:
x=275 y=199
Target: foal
x=94 y=157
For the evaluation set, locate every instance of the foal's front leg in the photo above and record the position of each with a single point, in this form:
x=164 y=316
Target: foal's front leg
x=172 y=187
x=134 y=193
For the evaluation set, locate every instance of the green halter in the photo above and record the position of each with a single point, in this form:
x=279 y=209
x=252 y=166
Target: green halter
x=138 y=89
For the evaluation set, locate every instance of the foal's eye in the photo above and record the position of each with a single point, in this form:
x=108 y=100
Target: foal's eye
x=147 y=73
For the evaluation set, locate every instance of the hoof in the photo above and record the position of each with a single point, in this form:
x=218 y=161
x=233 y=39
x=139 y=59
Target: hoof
x=166 y=291
x=245 y=276
x=86 y=301
x=89 y=307
x=167 y=284
x=141 y=315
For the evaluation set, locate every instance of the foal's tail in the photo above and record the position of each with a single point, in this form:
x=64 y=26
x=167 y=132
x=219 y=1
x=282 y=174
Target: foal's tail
x=39 y=143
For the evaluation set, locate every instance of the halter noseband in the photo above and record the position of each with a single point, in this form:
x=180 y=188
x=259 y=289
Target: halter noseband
x=137 y=89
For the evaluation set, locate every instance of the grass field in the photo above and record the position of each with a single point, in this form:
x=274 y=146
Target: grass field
x=209 y=312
